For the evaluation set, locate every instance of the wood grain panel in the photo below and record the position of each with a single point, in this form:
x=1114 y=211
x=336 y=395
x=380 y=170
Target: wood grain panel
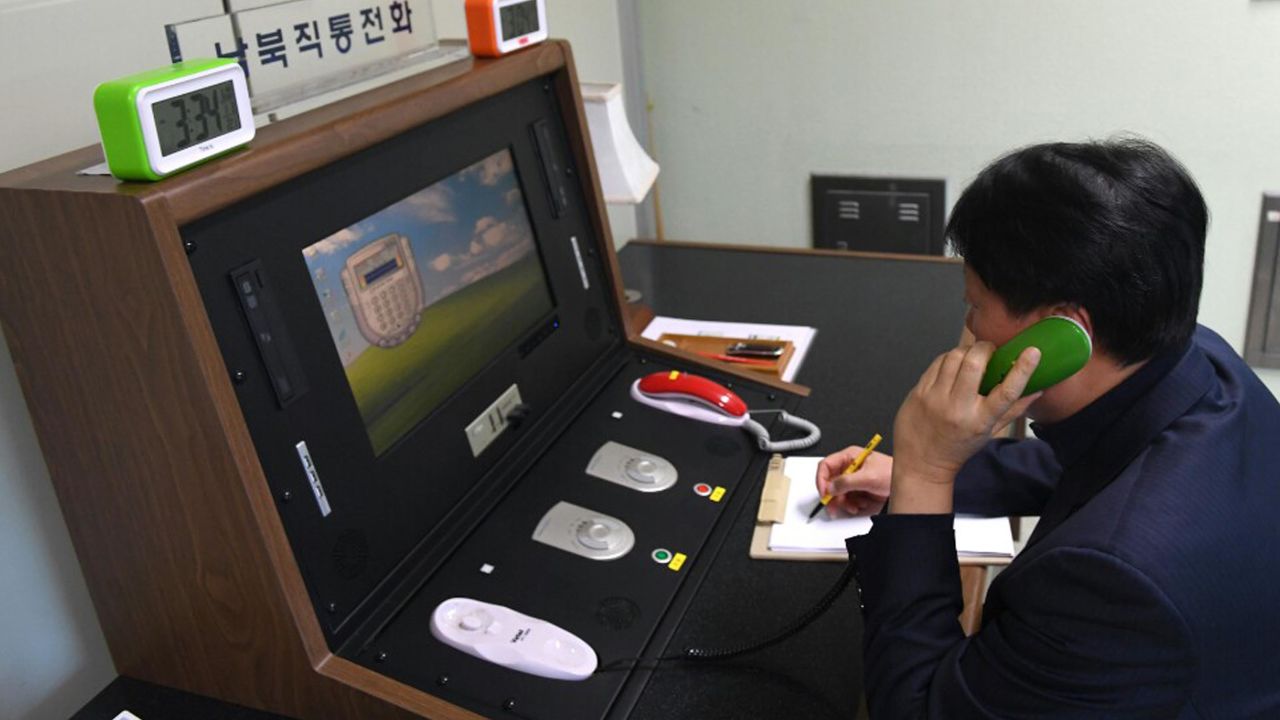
x=134 y=439
x=653 y=347
x=584 y=159
x=289 y=148
x=176 y=530
x=973 y=588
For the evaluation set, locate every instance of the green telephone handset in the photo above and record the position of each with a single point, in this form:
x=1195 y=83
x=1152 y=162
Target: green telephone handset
x=1064 y=345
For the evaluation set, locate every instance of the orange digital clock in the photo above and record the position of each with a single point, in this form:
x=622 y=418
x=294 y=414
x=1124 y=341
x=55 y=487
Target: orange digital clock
x=497 y=27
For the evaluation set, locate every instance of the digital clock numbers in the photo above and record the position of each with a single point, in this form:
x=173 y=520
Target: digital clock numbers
x=196 y=117
x=156 y=123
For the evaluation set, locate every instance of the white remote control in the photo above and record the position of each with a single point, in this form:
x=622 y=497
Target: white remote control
x=511 y=639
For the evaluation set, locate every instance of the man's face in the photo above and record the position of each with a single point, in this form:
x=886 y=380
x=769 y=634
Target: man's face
x=988 y=318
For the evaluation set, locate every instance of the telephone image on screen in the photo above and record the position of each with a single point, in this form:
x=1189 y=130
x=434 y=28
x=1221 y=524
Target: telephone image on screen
x=382 y=282
x=1064 y=346
x=434 y=285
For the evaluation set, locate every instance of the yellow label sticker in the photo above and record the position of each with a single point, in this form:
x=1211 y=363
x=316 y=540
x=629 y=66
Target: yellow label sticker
x=673 y=374
x=717 y=494
x=677 y=562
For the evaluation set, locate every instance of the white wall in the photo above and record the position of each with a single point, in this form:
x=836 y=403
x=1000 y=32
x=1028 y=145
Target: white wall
x=752 y=96
x=53 y=657
x=591 y=26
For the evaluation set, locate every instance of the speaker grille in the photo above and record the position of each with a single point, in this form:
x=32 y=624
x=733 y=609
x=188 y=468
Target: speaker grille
x=617 y=613
x=592 y=323
x=351 y=554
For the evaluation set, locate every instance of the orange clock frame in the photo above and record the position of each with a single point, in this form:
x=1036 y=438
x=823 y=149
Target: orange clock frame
x=484 y=27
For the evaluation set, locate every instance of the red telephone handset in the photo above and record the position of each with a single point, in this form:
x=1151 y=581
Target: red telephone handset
x=676 y=385
x=697 y=398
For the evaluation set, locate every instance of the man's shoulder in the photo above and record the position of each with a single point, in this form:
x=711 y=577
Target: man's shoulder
x=1193 y=508
x=1238 y=396
x=1227 y=362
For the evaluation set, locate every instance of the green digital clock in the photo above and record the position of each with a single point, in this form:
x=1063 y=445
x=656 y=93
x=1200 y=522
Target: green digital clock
x=158 y=122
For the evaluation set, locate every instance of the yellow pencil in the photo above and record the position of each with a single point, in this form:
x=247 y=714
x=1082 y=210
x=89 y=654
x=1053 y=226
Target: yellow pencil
x=851 y=469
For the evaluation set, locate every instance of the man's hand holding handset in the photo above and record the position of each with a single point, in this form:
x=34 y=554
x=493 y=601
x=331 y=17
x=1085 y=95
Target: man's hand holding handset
x=941 y=424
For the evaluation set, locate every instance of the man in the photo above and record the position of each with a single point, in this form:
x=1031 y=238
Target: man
x=1151 y=585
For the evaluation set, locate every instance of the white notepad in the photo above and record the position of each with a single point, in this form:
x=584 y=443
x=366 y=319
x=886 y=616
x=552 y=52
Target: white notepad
x=975 y=536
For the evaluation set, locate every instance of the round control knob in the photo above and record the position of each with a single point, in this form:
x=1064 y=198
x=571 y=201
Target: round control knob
x=595 y=535
x=472 y=621
x=642 y=470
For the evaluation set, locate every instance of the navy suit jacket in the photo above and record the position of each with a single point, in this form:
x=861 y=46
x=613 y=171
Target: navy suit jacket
x=1150 y=587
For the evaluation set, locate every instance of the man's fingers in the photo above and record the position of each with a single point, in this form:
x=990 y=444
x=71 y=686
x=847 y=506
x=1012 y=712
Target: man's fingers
x=831 y=466
x=858 y=503
x=1019 y=408
x=853 y=485
x=930 y=375
x=972 y=367
x=858 y=482
x=1010 y=389
x=842 y=484
x=952 y=360
x=824 y=486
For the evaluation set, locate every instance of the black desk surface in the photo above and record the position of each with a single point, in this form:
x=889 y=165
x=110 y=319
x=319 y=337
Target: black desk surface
x=880 y=321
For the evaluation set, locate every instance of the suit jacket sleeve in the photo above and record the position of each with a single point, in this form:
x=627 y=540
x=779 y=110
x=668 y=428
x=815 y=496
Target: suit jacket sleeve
x=1007 y=477
x=1082 y=633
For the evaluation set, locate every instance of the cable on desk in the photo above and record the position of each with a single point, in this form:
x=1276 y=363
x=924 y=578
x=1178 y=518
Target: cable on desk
x=763 y=441
x=800 y=623
x=701 y=653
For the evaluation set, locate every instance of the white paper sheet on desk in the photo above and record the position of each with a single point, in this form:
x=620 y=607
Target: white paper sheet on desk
x=801 y=337
x=974 y=536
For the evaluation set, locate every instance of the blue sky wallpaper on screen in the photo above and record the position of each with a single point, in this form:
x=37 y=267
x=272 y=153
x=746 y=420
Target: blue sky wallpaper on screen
x=461 y=229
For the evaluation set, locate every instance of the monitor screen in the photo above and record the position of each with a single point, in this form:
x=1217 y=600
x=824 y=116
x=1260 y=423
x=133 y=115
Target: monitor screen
x=422 y=294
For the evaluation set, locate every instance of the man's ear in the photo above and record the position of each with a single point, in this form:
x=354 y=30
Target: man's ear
x=1077 y=313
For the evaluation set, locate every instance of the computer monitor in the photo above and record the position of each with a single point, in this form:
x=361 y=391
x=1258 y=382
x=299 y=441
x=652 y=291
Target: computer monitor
x=384 y=315
x=421 y=294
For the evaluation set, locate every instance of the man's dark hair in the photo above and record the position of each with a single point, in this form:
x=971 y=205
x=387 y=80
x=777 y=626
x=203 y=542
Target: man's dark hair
x=1115 y=227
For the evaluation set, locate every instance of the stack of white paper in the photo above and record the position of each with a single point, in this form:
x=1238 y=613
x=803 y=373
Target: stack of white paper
x=974 y=536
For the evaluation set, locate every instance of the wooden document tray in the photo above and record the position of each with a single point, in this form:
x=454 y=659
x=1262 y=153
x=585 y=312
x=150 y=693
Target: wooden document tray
x=715 y=348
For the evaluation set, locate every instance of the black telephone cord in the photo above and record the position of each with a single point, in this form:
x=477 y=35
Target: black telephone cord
x=800 y=623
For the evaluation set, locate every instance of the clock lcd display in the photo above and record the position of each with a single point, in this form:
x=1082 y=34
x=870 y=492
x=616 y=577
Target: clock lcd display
x=195 y=117
x=519 y=19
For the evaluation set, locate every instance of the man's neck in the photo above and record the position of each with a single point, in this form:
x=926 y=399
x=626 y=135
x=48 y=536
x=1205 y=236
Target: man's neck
x=1077 y=392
